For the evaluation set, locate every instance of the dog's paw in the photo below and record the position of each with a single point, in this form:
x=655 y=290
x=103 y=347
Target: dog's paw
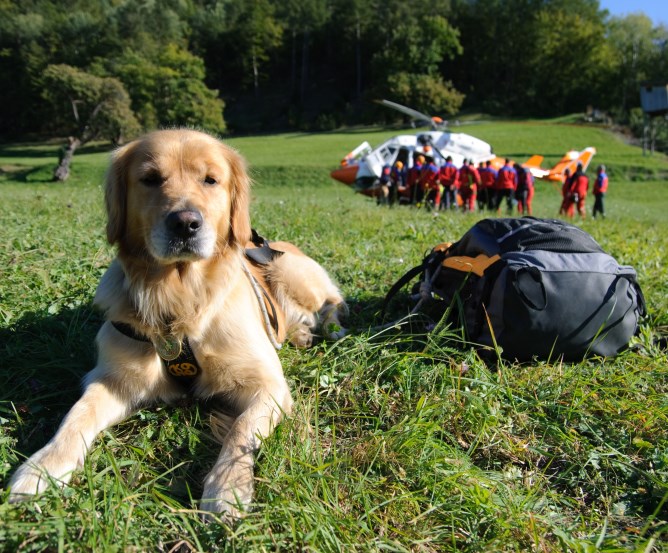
x=301 y=336
x=27 y=481
x=37 y=473
x=228 y=489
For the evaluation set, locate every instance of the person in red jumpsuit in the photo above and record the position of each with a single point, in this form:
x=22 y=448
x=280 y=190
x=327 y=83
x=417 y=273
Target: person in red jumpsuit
x=469 y=180
x=448 y=176
x=600 y=188
x=486 y=192
x=431 y=185
x=413 y=185
x=524 y=191
x=579 y=189
x=567 y=205
x=506 y=183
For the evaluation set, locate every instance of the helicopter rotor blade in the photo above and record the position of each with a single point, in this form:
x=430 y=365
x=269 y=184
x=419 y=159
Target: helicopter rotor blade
x=409 y=111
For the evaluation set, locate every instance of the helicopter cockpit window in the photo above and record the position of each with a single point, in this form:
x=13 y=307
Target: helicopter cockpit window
x=387 y=153
x=403 y=156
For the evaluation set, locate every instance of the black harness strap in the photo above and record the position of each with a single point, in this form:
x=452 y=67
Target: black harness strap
x=130 y=332
x=263 y=254
x=410 y=275
x=183 y=370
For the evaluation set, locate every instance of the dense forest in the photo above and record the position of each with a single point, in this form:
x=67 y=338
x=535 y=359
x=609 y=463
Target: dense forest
x=109 y=68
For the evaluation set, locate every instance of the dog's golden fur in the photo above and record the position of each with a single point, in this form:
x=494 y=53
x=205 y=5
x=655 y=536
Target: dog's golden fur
x=178 y=210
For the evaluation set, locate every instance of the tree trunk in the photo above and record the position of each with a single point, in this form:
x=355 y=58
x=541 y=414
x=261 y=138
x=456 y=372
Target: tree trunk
x=303 y=84
x=293 y=66
x=65 y=159
x=358 y=58
x=256 y=76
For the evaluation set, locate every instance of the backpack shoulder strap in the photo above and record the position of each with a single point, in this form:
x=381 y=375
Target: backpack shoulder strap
x=399 y=284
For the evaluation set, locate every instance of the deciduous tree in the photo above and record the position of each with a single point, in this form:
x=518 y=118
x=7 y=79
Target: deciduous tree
x=89 y=108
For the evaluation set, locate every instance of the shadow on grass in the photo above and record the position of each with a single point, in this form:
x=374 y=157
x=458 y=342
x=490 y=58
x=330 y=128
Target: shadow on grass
x=44 y=358
x=48 y=150
x=43 y=361
x=40 y=173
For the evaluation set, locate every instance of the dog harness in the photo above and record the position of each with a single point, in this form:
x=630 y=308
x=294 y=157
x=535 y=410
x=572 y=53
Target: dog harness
x=263 y=254
x=179 y=360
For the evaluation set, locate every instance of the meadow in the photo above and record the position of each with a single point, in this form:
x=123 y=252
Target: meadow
x=396 y=443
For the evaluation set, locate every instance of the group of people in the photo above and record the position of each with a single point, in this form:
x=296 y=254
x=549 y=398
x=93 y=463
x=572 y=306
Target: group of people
x=468 y=187
x=574 y=192
x=450 y=187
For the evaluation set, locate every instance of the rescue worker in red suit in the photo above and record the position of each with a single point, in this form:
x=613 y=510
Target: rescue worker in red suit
x=524 y=191
x=506 y=183
x=600 y=188
x=413 y=185
x=579 y=189
x=448 y=176
x=430 y=184
x=487 y=192
x=567 y=205
x=469 y=180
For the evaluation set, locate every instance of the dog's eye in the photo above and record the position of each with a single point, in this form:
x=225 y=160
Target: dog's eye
x=210 y=180
x=152 y=179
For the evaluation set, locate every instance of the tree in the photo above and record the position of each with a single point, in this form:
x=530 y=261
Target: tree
x=636 y=50
x=362 y=18
x=408 y=63
x=427 y=93
x=497 y=38
x=256 y=32
x=569 y=57
x=302 y=17
x=89 y=108
x=168 y=89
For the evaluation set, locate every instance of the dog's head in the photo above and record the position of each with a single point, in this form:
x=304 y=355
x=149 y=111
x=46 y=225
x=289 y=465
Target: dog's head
x=177 y=195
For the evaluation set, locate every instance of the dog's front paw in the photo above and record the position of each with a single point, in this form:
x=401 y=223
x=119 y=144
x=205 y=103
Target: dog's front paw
x=35 y=475
x=228 y=489
x=301 y=336
x=27 y=481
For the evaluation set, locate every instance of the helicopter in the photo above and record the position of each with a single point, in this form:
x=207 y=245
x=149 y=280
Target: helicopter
x=569 y=161
x=361 y=168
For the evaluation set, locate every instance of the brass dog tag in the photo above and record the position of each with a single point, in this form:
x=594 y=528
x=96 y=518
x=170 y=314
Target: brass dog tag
x=168 y=347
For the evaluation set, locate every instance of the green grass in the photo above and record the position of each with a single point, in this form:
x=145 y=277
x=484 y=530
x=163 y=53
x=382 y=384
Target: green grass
x=391 y=446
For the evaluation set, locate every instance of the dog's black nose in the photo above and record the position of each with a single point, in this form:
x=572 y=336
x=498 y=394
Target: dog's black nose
x=184 y=223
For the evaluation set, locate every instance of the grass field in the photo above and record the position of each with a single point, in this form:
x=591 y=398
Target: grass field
x=390 y=447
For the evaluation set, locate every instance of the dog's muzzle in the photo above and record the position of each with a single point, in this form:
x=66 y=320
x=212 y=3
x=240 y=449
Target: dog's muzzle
x=183 y=235
x=184 y=224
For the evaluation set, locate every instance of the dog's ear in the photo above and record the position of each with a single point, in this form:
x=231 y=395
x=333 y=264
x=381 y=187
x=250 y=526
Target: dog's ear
x=115 y=194
x=240 y=183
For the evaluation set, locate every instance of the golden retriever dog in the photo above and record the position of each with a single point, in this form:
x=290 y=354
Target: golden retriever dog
x=182 y=283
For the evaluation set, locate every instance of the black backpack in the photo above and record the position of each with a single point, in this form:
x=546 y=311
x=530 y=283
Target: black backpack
x=536 y=288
